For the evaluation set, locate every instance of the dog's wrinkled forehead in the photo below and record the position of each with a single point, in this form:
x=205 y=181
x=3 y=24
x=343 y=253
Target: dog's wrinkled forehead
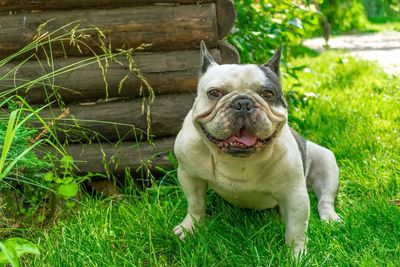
x=240 y=78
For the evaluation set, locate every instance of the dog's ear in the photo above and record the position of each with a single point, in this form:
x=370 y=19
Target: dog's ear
x=273 y=63
x=206 y=59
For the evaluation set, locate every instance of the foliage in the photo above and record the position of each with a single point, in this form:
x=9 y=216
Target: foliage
x=382 y=10
x=22 y=171
x=16 y=150
x=348 y=105
x=344 y=15
x=263 y=26
x=13 y=248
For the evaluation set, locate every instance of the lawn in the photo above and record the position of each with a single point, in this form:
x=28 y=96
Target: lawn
x=380 y=27
x=350 y=106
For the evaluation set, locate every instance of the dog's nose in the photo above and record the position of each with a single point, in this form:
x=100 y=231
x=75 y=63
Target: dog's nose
x=243 y=104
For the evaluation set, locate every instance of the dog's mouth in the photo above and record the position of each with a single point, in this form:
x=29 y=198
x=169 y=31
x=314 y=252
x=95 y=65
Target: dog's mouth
x=241 y=144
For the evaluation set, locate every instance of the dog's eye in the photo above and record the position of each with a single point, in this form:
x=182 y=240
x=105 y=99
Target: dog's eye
x=215 y=94
x=267 y=94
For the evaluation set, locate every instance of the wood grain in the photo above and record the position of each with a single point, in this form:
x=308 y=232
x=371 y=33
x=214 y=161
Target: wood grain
x=164 y=27
x=121 y=120
x=114 y=158
x=167 y=72
x=36 y=5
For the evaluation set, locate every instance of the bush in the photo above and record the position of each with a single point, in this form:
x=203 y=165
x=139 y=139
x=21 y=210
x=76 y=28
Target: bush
x=262 y=26
x=344 y=15
x=382 y=10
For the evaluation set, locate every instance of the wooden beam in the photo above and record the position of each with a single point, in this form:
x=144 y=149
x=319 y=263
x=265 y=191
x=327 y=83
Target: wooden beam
x=12 y=6
x=114 y=158
x=167 y=72
x=121 y=120
x=164 y=27
x=225 y=9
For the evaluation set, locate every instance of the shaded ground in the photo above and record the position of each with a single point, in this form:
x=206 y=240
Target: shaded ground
x=383 y=47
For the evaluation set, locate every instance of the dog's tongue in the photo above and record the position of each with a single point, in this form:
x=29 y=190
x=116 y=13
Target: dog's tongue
x=245 y=138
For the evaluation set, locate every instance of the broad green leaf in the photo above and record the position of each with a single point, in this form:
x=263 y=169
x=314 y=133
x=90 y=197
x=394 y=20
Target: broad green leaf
x=67 y=180
x=67 y=160
x=8 y=255
x=68 y=190
x=14 y=248
x=23 y=246
x=48 y=177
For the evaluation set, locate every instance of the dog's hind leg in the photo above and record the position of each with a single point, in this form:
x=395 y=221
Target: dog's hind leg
x=323 y=177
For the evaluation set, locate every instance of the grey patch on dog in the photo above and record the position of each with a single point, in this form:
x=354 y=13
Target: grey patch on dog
x=206 y=58
x=274 y=62
x=274 y=84
x=301 y=144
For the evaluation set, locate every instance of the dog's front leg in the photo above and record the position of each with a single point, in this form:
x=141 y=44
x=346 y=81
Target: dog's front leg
x=295 y=209
x=195 y=192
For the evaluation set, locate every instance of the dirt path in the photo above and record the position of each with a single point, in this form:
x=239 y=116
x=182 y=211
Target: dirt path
x=383 y=47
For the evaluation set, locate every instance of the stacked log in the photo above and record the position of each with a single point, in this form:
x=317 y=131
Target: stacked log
x=112 y=114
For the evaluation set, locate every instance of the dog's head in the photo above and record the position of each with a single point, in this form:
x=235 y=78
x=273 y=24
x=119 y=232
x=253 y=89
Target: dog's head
x=239 y=109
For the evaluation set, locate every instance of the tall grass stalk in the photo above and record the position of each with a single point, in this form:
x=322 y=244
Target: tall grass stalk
x=17 y=113
x=78 y=38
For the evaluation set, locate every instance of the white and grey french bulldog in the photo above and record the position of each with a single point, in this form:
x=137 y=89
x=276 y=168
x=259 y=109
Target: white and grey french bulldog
x=237 y=141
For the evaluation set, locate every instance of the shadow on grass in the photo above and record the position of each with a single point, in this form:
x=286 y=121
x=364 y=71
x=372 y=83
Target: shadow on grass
x=302 y=51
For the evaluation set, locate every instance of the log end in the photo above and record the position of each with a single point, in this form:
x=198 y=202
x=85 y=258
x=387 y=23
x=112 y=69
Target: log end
x=229 y=54
x=226 y=15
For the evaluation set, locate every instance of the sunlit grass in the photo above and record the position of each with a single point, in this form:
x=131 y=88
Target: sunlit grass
x=384 y=26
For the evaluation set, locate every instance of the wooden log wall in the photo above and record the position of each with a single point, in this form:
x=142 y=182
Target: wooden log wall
x=174 y=28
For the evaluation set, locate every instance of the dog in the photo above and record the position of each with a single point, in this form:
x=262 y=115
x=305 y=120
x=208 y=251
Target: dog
x=236 y=140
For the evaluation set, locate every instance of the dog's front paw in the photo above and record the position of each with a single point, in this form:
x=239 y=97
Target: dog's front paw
x=186 y=226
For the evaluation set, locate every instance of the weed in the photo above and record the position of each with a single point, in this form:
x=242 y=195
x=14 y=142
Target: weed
x=27 y=164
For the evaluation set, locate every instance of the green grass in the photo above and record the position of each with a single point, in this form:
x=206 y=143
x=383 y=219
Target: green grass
x=369 y=27
x=382 y=26
x=356 y=113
